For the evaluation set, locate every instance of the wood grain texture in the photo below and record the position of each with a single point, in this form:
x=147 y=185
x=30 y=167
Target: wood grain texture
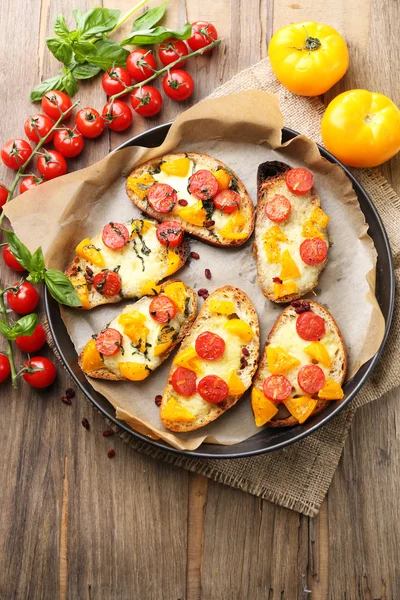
x=138 y=528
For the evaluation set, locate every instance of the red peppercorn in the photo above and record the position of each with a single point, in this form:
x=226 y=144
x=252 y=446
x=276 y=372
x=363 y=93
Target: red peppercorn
x=111 y=453
x=207 y=273
x=183 y=202
x=108 y=432
x=158 y=399
x=277 y=280
x=300 y=306
x=66 y=400
x=245 y=351
x=86 y=423
x=210 y=223
x=70 y=393
x=202 y=292
x=195 y=255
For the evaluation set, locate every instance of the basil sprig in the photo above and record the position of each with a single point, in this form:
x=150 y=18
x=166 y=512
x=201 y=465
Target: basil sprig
x=144 y=31
x=56 y=282
x=24 y=326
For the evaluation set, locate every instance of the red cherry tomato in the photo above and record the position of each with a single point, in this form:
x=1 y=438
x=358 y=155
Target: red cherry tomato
x=3 y=194
x=169 y=233
x=52 y=164
x=28 y=182
x=117 y=115
x=277 y=388
x=115 y=80
x=278 y=208
x=146 y=101
x=209 y=346
x=311 y=379
x=162 y=309
x=203 y=185
x=5 y=368
x=299 y=181
x=202 y=31
x=11 y=261
x=162 y=197
x=15 y=153
x=109 y=342
x=24 y=299
x=184 y=381
x=107 y=283
x=40 y=373
x=310 y=327
x=38 y=125
x=32 y=343
x=115 y=235
x=89 y=122
x=54 y=103
x=313 y=251
x=227 y=201
x=69 y=142
x=213 y=389
x=141 y=64
x=178 y=85
x=171 y=50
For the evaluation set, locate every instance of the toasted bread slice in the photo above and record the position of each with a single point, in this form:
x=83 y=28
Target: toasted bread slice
x=282 y=274
x=137 y=346
x=236 y=366
x=199 y=218
x=140 y=264
x=284 y=335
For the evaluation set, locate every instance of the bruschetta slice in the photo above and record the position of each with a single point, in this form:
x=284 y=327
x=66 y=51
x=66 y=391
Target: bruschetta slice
x=303 y=366
x=215 y=363
x=142 y=336
x=126 y=260
x=291 y=242
x=205 y=196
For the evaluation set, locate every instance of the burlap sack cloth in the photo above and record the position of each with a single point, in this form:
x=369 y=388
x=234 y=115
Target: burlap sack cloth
x=298 y=476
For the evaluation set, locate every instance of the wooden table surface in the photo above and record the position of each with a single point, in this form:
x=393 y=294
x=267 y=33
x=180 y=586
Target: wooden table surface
x=138 y=529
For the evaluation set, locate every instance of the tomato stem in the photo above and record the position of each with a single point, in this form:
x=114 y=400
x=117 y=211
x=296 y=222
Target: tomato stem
x=9 y=351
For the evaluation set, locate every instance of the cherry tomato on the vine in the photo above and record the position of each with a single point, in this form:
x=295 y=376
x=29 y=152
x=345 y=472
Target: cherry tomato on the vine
x=40 y=372
x=202 y=31
x=141 y=64
x=33 y=342
x=115 y=80
x=11 y=261
x=24 y=299
x=178 y=85
x=3 y=194
x=37 y=126
x=69 y=142
x=117 y=115
x=171 y=50
x=89 y=122
x=28 y=182
x=146 y=101
x=5 y=368
x=51 y=164
x=15 y=152
x=54 y=103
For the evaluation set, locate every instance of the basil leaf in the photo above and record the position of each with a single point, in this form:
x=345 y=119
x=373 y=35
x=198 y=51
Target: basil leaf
x=78 y=16
x=97 y=21
x=61 y=49
x=5 y=330
x=150 y=18
x=156 y=35
x=83 y=51
x=69 y=84
x=36 y=274
x=85 y=71
x=20 y=251
x=109 y=53
x=61 y=288
x=24 y=326
x=60 y=27
x=54 y=83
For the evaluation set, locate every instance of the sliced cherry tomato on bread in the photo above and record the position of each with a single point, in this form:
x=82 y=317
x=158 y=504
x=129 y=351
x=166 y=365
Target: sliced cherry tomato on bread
x=311 y=379
x=227 y=201
x=278 y=208
x=213 y=389
x=313 y=251
x=115 y=236
x=169 y=233
x=109 y=342
x=162 y=309
x=277 y=388
x=184 y=381
x=107 y=283
x=203 y=185
x=310 y=327
x=299 y=181
x=162 y=197
x=209 y=346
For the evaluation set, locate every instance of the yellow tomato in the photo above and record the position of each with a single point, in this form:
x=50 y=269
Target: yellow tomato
x=308 y=58
x=361 y=128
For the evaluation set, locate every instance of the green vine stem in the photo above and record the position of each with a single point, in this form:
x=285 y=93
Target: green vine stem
x=130 y=13
x=9 y=352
